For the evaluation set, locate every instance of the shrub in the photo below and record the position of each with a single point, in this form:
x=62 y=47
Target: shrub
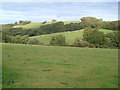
x=79 y=43
x=84 y=43
x=86 y=33
x=24 y=39
x=76 y=42
x=58 y=40
x=33 y=41
x=114 y=39
x=97 y=38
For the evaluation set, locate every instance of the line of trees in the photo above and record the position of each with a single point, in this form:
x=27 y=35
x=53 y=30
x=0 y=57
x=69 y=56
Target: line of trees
x=86 y=22
x=91 y=38
x=96 y=38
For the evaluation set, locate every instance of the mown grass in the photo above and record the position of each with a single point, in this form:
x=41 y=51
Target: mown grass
x=70 y=36
x=59 y=67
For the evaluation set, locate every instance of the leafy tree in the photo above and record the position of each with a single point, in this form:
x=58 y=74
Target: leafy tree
x=86 y=33
x=58 y=40
x=114 y=39
x=53 y=20
x=24 y=22
x=52 y=28
x=97 y=38
x=91 y=22
x=44 y=22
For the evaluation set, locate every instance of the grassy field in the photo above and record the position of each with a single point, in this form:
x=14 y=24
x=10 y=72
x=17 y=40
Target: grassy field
x=35 y=25
x=30 y=26
x=30 y=66
x=70 y=36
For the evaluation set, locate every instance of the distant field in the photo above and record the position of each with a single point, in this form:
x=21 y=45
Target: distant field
x=30 y=66
x=68 y=22
x=35 y=25
x=70 y=36
x=30 y=26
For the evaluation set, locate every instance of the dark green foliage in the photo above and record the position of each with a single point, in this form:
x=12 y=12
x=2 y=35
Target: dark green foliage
x=73 y=26
x=86 y=22
x=52 y=28
x=58 y=40
x=86 y=33
x=113 y=25
x=53 y=20
x=94 y=37
x=113 y=39
x=24 y=22
x=97 y=38
x=91 y=22
x=22 y=32
x=15 y=39
x=34 y=41
x=44 y=22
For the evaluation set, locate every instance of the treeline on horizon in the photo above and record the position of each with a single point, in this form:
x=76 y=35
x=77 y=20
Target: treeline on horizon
x=54 y=27
x=92 y=37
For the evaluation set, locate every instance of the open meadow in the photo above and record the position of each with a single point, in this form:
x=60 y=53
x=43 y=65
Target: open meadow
x=35 y=66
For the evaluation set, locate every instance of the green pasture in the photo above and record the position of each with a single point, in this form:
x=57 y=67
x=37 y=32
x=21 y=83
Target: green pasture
x=35 y=66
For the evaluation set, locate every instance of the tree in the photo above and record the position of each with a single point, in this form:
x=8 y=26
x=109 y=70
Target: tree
x=91 y=22
x=53 y=20
x=86 y=33
x=16 y=23
x=24 y=22
x=114 y=39
x=44 y=22
x=58 y=40
x=97 y=38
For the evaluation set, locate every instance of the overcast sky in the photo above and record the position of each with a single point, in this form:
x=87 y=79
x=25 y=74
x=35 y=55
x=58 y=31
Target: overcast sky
x=61 y=11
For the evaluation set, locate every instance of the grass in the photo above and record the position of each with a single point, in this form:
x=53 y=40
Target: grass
x=29 y=26
x=31 y=66
x=70 y=36
x=35 y=25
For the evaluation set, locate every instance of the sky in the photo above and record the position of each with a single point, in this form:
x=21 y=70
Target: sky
x=11 y=12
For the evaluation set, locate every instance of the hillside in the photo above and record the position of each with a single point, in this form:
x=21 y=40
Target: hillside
x=35 y=66
x=70 y=36
x=35 y=25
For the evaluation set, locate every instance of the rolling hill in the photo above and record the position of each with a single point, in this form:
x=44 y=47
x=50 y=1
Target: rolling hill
x=35 y=25
x=70 y=36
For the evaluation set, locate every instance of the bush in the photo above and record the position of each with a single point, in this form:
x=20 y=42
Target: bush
x=79 y=43
x=58 y=40
x=113 y=39
x=33 y=41
x=84 y=43
x=76 y=42
x=86 y=33
x=96 y=38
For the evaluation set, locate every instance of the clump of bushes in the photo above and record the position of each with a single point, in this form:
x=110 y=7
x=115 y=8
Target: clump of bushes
x=79 y=43
x=113 y=39
x=15 y=39
x=34 y=41
x=94 y=37
x=97 y=38
x=59 y=40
